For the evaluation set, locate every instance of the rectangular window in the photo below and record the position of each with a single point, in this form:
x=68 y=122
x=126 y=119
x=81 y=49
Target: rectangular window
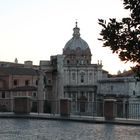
x=3 y=94
x=49 y=81
x=36 y=82
x=90 y=96
x=34 y=94
x=90 y=76
x=134 y=93
x=26 y=82
x=111 y=87
x=15 y=82
x=81 y=93
x=73 y=76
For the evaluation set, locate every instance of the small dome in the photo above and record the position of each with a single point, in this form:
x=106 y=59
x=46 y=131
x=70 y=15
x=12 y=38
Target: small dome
x=76 y=44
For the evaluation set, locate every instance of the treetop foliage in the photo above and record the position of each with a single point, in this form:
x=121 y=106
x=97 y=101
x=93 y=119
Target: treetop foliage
x=123 y=37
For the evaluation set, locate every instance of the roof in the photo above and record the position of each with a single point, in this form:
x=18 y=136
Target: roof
x=117 y=79
x=76 y=43
x=128 y=73
x=17 y=71
x=10 y=64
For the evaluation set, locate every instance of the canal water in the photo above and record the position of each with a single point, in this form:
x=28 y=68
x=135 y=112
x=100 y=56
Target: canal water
x=25 y=129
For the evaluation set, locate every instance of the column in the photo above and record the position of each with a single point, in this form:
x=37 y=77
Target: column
x=40 y=93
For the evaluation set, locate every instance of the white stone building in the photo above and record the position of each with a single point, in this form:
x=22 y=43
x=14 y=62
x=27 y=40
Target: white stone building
x=71 y=75
x=126 y=90
x=127 y=86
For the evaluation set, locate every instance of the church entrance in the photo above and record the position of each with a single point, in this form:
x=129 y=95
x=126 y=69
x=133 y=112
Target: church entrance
x=82 y=103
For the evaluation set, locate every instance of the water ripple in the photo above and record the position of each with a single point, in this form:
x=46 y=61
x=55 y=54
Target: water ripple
x=22 y=129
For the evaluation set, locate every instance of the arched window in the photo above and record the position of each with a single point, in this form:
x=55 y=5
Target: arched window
x=82 y=77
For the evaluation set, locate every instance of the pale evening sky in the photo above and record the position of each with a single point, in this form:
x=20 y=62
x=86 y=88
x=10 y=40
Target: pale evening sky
x=36 y=29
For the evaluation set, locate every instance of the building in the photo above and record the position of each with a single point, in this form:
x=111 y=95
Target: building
x=125 y=89
x=125 y=85
x=17 y=81
x=71 y=74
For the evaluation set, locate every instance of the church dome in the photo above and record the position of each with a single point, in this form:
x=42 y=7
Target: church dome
x=76 y=44
x=76 y=50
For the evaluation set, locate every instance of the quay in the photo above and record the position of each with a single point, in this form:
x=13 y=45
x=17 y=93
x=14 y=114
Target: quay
x=73 y=118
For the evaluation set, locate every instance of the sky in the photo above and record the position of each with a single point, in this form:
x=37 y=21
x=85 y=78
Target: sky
x=36 y=29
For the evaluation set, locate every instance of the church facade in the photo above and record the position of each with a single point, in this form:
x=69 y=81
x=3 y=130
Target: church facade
x=71 y=74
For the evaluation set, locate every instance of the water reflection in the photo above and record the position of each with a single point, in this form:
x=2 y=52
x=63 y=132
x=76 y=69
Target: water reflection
x=15 y=129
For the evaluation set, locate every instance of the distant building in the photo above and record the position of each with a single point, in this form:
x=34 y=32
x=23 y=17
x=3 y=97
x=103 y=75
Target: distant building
x=125 y=85
x=125 y=88
x=17 y=81
x=71 y=75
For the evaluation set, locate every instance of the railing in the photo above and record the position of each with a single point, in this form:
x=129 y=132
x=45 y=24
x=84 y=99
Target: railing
x=82 y=108
x=87 y=108
x=49 y=106
x=133 y=110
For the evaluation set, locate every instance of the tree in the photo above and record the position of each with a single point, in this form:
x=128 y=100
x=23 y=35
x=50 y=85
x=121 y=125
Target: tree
x=123 y=37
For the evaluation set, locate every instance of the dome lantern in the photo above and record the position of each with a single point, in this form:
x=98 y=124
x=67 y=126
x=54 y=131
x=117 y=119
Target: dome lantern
x=76 y=32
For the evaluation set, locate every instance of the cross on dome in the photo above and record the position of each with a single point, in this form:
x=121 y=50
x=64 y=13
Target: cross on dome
x=76 y=23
